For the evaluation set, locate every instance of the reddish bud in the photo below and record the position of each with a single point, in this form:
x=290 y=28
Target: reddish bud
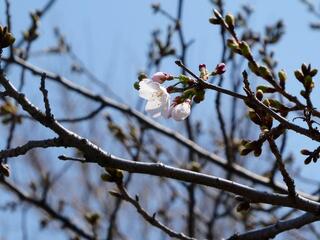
x=202 y=66
x=170 y=89
x=176 y=100
x=220 y=68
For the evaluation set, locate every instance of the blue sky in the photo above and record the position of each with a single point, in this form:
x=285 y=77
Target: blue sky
x=111 y=37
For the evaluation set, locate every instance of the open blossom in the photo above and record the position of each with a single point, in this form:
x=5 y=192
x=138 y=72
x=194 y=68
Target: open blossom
x=181 y=111
x=160 y=77
x=158 y=99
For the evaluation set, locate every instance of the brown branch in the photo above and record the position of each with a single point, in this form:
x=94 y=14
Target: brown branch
x=285 y=175
x=94 y=154
x=21 y=150
x=151 y=219
x=277 y=228
x=235 y=168
x=44 y=92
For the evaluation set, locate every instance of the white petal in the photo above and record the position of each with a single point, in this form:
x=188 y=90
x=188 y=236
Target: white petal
x=181 y=111
x=153 y=104
x=157 y=96
x=166 y=112
x=153 y=109
x=148 y=89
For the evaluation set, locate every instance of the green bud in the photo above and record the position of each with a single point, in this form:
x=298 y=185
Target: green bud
x=194 y=166
x=299 y=75
x=136 y=85
x=282 y=75
x=245 y=49
x=266 y=102
x=184 y=79
x=282 y=78
x=265 y=72
x=313 y=72
x=275 y=103
x=215 y=21
x=116 y=174
x=253 y=67
x=142 y=76
x=254 y=118
x=266 y=89
x=8 y=40
x=259 y=94
x=92 y=218
x=233 y=45
x=115 y=194
x=199 y=96
x=245 y=151
x=4 y=169
x=8 y=108
x=119 y=174
x=243 y=207
x=308 y=82
x=229 y=20
x=304 y=69
x=188 y=93
x=250 y=145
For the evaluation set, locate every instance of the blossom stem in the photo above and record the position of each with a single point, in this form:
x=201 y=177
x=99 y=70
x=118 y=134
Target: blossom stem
x=209 y=85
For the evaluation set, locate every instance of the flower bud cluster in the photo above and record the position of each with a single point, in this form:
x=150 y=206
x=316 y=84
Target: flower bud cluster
x=158 y=97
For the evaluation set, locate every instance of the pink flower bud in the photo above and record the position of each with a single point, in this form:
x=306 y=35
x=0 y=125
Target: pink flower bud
x=201 y=66
x=204 y=74
x=160 y=77
x=220 y=68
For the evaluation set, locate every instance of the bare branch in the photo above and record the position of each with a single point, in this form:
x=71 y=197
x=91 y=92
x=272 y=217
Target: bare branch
x=21 y=150
x=277 y=228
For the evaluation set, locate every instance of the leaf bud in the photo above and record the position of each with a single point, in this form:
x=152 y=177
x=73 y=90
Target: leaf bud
x=259 y=94
x=229 y=20
x=299 y=75
x=305 y=152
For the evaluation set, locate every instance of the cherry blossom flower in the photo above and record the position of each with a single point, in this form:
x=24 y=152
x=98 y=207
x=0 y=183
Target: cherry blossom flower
x=181 y=110
x=158 y=99
x=160 y=77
